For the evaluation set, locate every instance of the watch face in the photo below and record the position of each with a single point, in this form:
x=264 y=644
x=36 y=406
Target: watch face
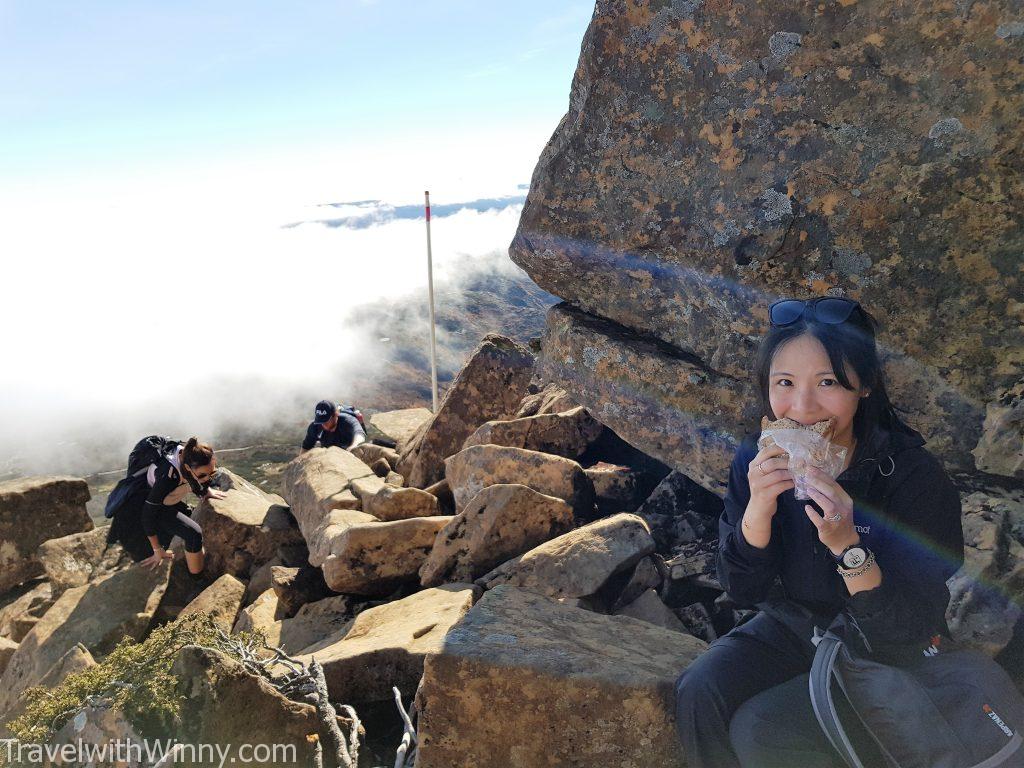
x=854 y=557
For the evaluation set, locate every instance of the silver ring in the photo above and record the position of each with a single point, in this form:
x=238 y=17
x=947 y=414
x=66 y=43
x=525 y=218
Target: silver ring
x=836 y=519
x=761 y=467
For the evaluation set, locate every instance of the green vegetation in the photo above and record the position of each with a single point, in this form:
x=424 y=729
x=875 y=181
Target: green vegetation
x=135 y=678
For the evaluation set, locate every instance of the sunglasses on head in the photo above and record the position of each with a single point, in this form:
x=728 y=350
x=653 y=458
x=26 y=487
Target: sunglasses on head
x=824 y=309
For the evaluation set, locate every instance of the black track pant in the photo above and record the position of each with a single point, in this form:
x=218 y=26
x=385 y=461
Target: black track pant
x=745 y=702
x=126 y=528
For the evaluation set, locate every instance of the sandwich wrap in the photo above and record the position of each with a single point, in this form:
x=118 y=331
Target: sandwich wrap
x=805 y=446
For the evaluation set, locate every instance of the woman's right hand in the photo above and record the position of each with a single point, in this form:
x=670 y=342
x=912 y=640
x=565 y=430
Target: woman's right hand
x=156 y=558
x=768 y=475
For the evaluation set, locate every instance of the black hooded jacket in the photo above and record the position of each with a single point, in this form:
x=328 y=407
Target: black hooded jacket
x=906 y=510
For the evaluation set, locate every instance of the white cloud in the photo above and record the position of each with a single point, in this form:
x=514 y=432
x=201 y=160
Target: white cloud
x=182 y=310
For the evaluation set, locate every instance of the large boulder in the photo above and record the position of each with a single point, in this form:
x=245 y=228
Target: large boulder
x=401 y=425
x=986 y=594
x=717 y=156
x=667 y=404
x=474 y=468
x=78 y=558
x=263 y=615
x=316 y=622
x=21 y=608
x=317 y=485
x=244 y=529
x=295 y=587
x=489 y=387
x=549 y=399
x=75 y=659
x=500 y=522
x=567 y=434
x=33 y=510
x=552 y=671
x=391 y=503
x=98 y=728
x=376 y=558
x=649 y=607
x=1001 y=447
x=222 y=600
x=386 y=645
x=7 y=649
x=371 y=454
x=97 y=615
x=227 y=705
x=617 y=488
x=578 y=563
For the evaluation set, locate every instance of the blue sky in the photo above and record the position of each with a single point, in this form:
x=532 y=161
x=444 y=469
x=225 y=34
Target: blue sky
x=101 y=88
x=201 y=155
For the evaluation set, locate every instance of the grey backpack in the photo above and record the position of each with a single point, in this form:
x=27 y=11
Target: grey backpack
x=944 y=708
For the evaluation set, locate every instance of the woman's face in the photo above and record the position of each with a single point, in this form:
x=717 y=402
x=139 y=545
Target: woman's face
x=803 y=387
x=204 y=473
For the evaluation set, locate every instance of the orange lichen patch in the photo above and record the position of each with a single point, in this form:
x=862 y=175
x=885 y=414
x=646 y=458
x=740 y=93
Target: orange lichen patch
x=743 y=328
x=695 y=38
x=974 y=266
x=847 y=3
x=820 y=287
x=875 y=39
x=826 y=204
x=933 y=30
x=637 y=14
x=844 y=73
x=792 y=133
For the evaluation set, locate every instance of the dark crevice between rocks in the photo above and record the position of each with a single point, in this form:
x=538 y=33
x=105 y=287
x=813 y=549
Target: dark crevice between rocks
x=637 y=340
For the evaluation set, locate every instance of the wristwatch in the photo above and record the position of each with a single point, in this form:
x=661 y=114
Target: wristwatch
x=852 y=558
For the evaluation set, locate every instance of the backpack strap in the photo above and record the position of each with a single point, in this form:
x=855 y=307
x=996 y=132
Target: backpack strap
x=829 y=647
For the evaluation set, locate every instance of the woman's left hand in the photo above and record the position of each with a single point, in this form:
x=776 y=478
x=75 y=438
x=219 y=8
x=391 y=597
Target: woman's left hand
x=835 y=525
x=214 y=494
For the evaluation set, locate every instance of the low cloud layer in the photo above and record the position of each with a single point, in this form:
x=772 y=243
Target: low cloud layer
x=146 y=317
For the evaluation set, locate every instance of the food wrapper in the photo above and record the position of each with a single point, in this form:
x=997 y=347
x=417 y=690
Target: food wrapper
x=807 y=448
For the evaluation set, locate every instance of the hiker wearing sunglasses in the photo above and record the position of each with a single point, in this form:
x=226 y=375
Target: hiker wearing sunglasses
x=188 y=467
x=879 y=541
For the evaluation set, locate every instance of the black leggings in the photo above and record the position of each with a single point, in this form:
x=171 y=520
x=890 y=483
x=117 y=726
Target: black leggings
x=174 y=520
x=745 y=703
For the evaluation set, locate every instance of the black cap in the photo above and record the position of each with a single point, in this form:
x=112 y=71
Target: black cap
x=325 y=409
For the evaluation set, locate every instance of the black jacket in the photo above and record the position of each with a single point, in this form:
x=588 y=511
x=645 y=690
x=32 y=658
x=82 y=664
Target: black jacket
x=342 y=436
x=910 y=519
x=168 y=478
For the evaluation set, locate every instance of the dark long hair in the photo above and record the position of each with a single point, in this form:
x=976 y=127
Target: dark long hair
x=849 y=343
x=196 y=454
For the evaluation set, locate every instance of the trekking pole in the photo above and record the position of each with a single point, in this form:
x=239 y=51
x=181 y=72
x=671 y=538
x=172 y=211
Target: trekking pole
x=430 y=291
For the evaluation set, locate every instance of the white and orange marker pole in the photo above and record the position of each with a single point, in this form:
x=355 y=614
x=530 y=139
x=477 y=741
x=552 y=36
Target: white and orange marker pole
x=430 y=292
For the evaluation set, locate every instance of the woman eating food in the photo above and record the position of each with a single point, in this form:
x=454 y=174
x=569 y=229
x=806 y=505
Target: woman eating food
x=877 y=535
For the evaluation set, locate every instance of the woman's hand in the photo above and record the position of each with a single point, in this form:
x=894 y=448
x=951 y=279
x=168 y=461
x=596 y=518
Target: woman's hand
x=768 y=475
x=153 y=561
x=835 y=524
x=214 y=494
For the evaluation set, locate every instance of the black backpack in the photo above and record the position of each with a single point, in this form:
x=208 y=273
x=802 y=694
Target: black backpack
x=351 y=410
x=945 y=708
x=148 y=451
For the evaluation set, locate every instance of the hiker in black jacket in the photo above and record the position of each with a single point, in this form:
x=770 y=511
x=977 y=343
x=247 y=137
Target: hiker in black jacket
x=879 y=541
x=333 y=425
x=188 y=467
